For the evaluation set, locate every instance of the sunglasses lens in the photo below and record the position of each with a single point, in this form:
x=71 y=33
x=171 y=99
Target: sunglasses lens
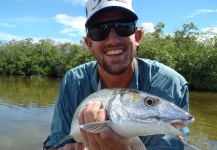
x=124 y=29
x=100 y=32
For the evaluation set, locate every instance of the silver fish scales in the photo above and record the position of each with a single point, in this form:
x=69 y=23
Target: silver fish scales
x=131 y=113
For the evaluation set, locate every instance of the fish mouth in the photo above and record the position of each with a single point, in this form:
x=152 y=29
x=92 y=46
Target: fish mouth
x=180 y=123
x=174 y=126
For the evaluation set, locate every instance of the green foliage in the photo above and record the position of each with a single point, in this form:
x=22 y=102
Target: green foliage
x=191 y=53
x=44 y=58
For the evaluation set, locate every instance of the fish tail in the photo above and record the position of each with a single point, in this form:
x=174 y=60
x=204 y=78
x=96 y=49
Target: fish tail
x=63 y=140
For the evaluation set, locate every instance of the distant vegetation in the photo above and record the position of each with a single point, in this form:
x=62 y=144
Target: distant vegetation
x=188 y=51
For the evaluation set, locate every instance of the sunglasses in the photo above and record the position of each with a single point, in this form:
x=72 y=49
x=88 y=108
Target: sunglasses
x=100 y=32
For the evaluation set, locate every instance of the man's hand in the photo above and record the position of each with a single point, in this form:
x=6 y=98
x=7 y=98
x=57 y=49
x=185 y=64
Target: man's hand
x=74 y=146
x=105 y=140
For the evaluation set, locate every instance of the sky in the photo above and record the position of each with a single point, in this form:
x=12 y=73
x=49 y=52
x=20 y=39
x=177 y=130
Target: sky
x=63 y=20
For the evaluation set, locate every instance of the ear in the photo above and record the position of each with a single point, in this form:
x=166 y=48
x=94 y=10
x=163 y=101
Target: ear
x=138 y=36
x=88 y=43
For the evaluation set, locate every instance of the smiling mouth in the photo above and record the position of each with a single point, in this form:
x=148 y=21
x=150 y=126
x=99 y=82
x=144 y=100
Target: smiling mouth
x=114 y=52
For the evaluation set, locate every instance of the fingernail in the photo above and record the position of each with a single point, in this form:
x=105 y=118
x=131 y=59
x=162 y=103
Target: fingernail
x=96 y=103
x=88 y=104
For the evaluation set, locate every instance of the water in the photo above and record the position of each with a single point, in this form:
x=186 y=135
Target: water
x=26 y=109
x=203 y=106
x=27 y=105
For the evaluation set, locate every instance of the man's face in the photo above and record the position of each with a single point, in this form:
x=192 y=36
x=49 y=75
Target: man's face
x=115 y=53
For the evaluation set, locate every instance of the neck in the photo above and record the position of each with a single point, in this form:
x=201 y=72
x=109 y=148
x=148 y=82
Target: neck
x=117 y=80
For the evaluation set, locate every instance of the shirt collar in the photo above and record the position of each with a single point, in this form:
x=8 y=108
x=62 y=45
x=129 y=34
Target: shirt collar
x=96 y=84
x=95 y=79
x=134 y=83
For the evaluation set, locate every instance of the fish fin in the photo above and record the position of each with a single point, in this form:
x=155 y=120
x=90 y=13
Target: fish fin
x=136 y=144
x=95 y=127
x=63 y=140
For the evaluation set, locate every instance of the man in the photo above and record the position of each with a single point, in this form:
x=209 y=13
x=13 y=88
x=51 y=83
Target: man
x=113 y=38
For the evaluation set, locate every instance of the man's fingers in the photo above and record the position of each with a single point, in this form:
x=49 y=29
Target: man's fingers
x=90 y=111
x=101 y=115
x=74 y=146
x=181 y=138
x=87 y=115
x=81 y=115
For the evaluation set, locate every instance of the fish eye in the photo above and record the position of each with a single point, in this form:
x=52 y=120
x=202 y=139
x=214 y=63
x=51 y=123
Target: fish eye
x=149 y=101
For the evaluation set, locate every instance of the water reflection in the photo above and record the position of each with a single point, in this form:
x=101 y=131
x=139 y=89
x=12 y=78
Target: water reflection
x=26 y=109
x=203 y=106
x=24 y=128
x=26 y=91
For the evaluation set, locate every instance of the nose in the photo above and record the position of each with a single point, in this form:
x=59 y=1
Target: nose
x=113 y=35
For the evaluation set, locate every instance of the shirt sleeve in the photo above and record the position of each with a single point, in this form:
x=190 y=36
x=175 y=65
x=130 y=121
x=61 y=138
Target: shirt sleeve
x=75 y=86
x=63 y=114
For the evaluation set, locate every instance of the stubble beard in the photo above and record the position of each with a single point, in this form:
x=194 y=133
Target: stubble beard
x=112 y=67
x=117 y=67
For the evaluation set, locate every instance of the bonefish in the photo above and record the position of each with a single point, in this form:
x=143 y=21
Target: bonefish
x=131 y=113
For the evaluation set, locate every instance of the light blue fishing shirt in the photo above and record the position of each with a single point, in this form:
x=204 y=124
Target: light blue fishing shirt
x=149 y=76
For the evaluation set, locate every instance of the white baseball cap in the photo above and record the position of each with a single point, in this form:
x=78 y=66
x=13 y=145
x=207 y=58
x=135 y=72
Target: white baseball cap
x=94 y=7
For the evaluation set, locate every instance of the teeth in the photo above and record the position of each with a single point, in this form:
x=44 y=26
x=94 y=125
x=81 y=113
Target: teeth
x=115 y=52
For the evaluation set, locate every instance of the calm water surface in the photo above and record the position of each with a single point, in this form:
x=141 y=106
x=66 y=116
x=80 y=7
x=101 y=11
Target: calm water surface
x=26 y=109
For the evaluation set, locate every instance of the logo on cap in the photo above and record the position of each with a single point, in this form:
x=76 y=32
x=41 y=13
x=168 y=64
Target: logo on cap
x=122 y=1
x=96 y=4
